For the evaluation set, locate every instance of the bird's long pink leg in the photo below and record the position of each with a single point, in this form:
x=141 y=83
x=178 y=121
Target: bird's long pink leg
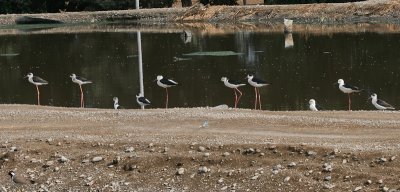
x=82 y=102
x=349 y=101
x=38 y=95
x=259 y=97
x=239 y=95
x=236 y=98
x=166 y=103
x=255 y=103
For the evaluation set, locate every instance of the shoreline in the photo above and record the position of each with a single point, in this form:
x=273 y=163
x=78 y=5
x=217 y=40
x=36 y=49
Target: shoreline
x=369 y=11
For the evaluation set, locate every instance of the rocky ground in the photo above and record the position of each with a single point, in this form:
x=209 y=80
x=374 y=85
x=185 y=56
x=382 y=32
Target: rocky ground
x=198 y=149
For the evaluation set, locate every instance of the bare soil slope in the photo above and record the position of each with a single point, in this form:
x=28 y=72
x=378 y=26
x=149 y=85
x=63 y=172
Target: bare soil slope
x=241 y=150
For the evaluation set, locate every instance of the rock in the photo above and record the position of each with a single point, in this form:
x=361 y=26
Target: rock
x=85 y=161
x=180 y=171
x=292 y=164
x=35 y=20
x=49 y=163
x=220 y=180
x=327 y=167
x=63 y=159
x=249 y=151
x=384 y=189
x=335 y=152
x=368 y=182
x=286 y=179
x=224 y=188
x=151 y=145
x=329 y=186
x=206 y=154
x=129 y=150
x=255 y=177
x=13 y=149
x=382 y=160
x=89 y=183
x=328 y=178
x=201 y=149
x=203 y=169
x=357 y=188
x=97 y=159
x=380 y=181
x=56 y=169
x=344 y=161
x=392 y=158
x=262 y=154
x=311 y=153
x=226 y=154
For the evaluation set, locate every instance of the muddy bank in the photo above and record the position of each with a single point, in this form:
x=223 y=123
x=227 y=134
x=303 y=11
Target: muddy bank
x=368 y=11
x=75 y=149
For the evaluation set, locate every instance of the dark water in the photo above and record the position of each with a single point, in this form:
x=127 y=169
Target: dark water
x=109 y=59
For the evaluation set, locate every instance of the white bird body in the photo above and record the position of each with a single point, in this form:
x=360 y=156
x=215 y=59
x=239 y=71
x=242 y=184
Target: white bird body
x=164 y=82
x=79 y=80
x=312 y=106
x=345 y=88
x=36 y=80
x=231 y=84
x=380 y=104
x=116 y=105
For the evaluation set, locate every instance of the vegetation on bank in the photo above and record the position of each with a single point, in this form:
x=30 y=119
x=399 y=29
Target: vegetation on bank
x=51 y=6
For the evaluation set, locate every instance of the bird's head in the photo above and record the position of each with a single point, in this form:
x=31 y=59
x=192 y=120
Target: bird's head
x=30 y=75
x=11 y=173
x=73 y=75
x=311 y=102
x=115 y=99
x=159 y=77
x=373 y=96
x=249 y=76
x=224 y=79
x=340 y=82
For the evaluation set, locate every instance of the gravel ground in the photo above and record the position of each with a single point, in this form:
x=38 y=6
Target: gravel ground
x=71 y=149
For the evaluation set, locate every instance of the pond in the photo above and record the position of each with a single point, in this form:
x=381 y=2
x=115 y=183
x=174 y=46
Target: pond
x=307 y=67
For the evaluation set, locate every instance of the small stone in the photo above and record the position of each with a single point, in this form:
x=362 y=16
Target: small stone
x=255 y=177
x=262 y=154
x=226 y=154
x=292 y=164
x=129 y=150
x=224 y=188
x=201 y=149
x=49 y=140
x=392 y=158
x=63 y=159
x=85 y=161
x=344 y=161
x=206 y=154
x=180 y=171
x=327 y=167
x=203 y=169
x=56 y=169
x=311 y=153
x=90 y=183
x=380 y=181
x=49 y=163
x=382 y=160
x=97 y=159
x=220 y=180
x=335 y=152
x=286 y=179
x=384 y=189
x=328 y=178
x=151 y=145
x=368 y=182
x=13 y=148
x=357 y=188
x=328 y=186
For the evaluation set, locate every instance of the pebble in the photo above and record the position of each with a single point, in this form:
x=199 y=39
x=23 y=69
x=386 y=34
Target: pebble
x=329 y=186
x=380 y=181
x=286 y=179
x=203 y=169
x=13 y=148
x=129 y=150
x=368 y=182
x=357 y=188
x=328 y=178
x=311 y=153
x=384 y=189
x=63 y=159
x=392 y=158
x=202 y=149
x=292 y=164
x=56 y=169
x=97 y=159
x=206 y=154
x=151 y=145
x=85 y=161
x=327 y=167
x=49 y=163
x=220 y=180
x=224 y=188
x=180 y=171
x=226 y=154
x=382 y=160
x=255 y=177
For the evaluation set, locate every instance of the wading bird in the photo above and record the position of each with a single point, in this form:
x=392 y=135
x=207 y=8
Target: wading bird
x=313 y=105
x=256 y=83
x=380 y=104
x=165 y=83
x=142 y=101
x=347 y=88
x=80 y=81
x=234 y=85
x=36 y=81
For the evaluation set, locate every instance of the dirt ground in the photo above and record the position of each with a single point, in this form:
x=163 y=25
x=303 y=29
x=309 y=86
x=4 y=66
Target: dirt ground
x=213 y=149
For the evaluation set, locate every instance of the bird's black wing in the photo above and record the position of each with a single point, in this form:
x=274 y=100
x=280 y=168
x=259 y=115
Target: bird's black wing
x=234 y=82
x=348 y=86
x=144 y=100
x=383 y=103
x=168 y=81
x=319 y=107
x=39 y=80
x=259 y=81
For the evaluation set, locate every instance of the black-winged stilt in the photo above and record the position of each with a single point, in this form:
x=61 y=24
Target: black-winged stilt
x=380 y=104
x=234 y=85
x=142 y=101
x=165 y=83
x=313 y=105
x=19 y=179
x=256 y=83
x=116 y=104
x=80 y=81
x=347 y=88
x=36 y=81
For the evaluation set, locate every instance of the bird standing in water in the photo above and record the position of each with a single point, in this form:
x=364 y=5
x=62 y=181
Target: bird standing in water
x=234 y=85
x=347 y=88
x=36 y=81
x=80 y=81
x=256 y=83
x=165 y=83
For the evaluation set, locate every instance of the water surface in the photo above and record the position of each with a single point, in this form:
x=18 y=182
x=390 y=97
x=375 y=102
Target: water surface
x=306 y=70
